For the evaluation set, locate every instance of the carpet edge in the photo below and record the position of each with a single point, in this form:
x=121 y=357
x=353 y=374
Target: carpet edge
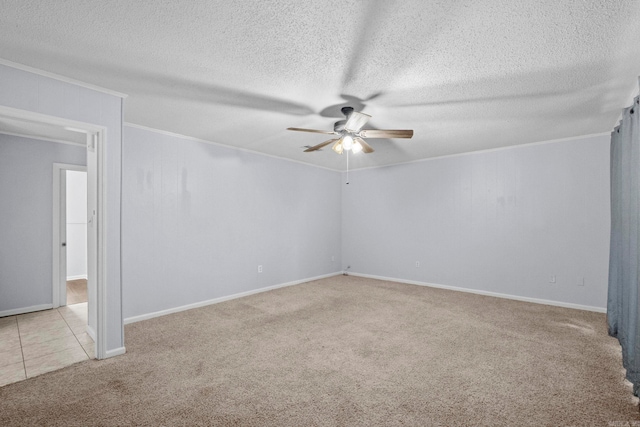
x=138 y=318
x=486 y=293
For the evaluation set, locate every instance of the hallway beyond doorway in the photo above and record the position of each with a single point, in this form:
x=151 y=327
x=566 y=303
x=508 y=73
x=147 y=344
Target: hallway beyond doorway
x=76 y=291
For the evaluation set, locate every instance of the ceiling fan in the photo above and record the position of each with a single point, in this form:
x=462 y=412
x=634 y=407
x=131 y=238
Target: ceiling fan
x=351 y=135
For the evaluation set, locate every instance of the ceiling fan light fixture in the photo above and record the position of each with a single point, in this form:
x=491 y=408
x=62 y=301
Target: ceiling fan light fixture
x=347 y=142
x=337 y=147
x=356 y=148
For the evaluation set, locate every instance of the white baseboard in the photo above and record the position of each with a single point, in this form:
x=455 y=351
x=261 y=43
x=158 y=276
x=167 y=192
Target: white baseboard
x=81 y=276
x=24 y=310
x=487 y=293
x=141 y=317
x=115 y=352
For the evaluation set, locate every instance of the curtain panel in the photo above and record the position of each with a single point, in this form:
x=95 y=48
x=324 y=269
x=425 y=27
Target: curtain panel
x=623 y=301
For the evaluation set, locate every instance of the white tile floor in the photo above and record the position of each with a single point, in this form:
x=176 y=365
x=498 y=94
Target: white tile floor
x=34 y=343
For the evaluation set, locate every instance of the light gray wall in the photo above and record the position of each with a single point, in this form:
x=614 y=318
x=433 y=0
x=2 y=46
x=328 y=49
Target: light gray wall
x=26 y=215
x=502 y=221
x=199 y=218
x=76 y=224
x=28 y=91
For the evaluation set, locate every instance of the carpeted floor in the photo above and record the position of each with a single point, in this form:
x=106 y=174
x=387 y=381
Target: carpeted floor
x=345 y=351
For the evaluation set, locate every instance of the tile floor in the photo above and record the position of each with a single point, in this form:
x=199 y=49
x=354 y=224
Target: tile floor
x=34 y=343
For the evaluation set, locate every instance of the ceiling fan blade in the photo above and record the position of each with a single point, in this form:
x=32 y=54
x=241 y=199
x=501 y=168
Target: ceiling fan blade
x=366 y=148
x=319 y=146
x=328 y=132
x=380 y=133
x=355 y=121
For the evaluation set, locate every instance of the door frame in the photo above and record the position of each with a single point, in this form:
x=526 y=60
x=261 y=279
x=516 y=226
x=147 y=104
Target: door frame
x=59 y=280
x=96 y=141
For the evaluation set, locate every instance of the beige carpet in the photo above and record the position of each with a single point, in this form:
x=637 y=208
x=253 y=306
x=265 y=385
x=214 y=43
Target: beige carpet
x=345 y=351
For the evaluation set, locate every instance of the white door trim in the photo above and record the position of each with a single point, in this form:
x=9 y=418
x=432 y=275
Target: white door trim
x=99 y=140
x=59 y=279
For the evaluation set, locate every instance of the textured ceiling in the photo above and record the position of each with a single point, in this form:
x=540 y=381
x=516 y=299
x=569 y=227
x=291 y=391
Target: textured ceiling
x=465 y=75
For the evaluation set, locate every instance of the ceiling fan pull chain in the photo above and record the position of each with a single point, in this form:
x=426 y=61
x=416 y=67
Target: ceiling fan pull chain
x=347 y=166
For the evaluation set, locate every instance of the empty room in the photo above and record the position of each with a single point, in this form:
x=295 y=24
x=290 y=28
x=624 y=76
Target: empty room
x=319 y=213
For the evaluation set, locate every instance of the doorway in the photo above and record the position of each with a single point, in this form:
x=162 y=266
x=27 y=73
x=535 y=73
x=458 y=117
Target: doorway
x=72 y=277
x=92 y=138
x=35 y=338
x=72 y=285
x=76 y=236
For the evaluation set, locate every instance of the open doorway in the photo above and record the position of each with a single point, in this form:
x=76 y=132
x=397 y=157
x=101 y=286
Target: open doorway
x=76 y=222
x=36 y=338
x=74 y=288
x=73 y=232
x=91 y=138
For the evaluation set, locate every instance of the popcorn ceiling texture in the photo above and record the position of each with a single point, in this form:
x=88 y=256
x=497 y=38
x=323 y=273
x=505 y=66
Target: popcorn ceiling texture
x=466 y=75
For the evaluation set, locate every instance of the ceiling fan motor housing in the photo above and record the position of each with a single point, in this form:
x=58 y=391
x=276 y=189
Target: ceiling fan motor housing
x=347 y=111
x=339 y=125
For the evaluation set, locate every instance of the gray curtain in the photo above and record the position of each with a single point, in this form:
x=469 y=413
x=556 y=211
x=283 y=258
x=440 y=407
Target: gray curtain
x=624 y=265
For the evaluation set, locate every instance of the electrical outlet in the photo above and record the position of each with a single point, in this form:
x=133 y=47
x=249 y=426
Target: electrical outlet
x=333 y=258
x=417 y=264
x=552 y=279
x=580 y=281
x=259 y=269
